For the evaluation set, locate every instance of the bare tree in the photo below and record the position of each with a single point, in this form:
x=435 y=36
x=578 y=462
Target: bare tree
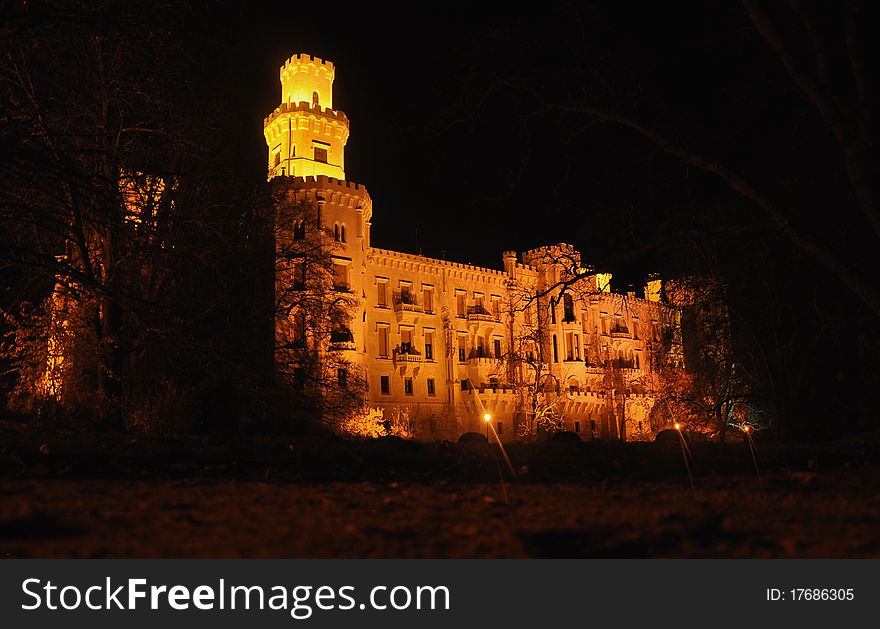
x=313 y=309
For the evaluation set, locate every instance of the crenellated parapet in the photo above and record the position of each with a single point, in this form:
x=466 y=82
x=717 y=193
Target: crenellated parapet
x=298 y=62
x=308 y=109
x=336 y=192
x=424 y=264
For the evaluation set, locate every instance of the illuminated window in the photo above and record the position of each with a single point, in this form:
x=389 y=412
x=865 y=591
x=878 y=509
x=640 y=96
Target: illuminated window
x=428 y=298
x=431 y=391
x=407 y=386
x=385 y=385
x=314 y=99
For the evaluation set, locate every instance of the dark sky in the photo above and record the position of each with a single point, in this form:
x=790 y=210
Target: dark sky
x=453 y=160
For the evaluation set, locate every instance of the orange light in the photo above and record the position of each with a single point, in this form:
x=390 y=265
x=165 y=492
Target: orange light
x=487 y=417
x=677 y=426
x=747 y=428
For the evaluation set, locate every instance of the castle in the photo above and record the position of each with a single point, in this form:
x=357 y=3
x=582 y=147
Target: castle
x=543 y=338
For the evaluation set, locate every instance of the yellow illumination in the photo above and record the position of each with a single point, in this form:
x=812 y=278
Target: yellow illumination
x=305 y=136
x=487 y=417
x=677 y=426
x=652 y=290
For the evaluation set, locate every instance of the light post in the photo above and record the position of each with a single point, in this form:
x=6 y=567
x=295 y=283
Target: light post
x=487 y=418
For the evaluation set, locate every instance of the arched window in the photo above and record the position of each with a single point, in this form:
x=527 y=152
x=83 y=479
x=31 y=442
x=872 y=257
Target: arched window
x=299 y=230
x=314 y=99
x=336 y=232
x=568 y=308
x=342 y=233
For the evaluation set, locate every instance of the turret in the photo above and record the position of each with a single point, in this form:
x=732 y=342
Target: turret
x=305 y=136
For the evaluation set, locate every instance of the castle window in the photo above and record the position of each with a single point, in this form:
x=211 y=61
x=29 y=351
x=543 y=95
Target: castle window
x=429 y=345
x=277 y=159
x=567 y=308
x=342 y=233
x=572 y=346
x=299 y=230
x=382 y=288
x=385 y=385
x=462 y=346
x=340 y=277
x=428 y=298
x=431 y=389
x=342 y=378
x=552 y=311
x=321 y=154
x=383 y=341
x=500 y=428
x=407 y=386
x=315 y=99
x=555 y=350
x=460 y=303
x=406 y=340
x=497 y=347
x=336 y=232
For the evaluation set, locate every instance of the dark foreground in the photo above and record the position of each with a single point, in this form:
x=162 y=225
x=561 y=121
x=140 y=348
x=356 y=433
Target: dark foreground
x=116 y=496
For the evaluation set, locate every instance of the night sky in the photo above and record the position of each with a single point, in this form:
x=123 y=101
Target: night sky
x=441 y=103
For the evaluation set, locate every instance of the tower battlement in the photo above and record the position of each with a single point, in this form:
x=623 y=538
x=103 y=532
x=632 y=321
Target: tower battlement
x=304 y=62
x=306 y=107
x=307 y=78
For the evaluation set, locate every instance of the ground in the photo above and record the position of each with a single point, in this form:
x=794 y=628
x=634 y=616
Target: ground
x=124 y=496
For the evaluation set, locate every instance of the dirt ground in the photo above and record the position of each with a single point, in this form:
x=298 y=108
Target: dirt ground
x=794 y=515
x=76 y=495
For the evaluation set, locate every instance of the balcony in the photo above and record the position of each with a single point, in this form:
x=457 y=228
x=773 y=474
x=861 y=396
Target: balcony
x=341 y=340
x=404 y=301
x=481 y=357
x=479 y=313
x=620 y=331
x=406 y=353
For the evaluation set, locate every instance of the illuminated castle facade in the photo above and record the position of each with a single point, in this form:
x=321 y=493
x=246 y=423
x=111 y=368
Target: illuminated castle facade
x=453 y=343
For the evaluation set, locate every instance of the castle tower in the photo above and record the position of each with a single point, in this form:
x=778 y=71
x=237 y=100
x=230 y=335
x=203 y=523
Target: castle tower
x=305 y=136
